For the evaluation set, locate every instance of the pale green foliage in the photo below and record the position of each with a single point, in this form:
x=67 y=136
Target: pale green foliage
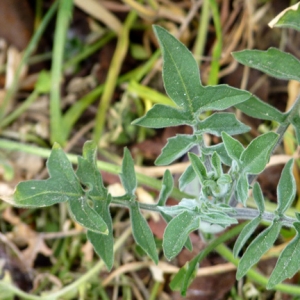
x=213 y=207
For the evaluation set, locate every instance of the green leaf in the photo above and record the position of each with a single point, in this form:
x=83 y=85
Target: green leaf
x=233 y=147
x=184 y=204
x=224 y=179
x=180 y=71
x=43 y=83
x=188 y=244
x=258 y=109
x=258 y=197
x=160 y=116
x=220 y=149
x=175 y=148
x=289 y=18
x=273 y=62
x=142 y=233
x=166 y=188
x=242 y=189
x=245 y=234
x=220 y=97
x=103 y=244
x=186 y=177
x=63 y=184
x=185 y=275
x=89 y=174
x=256 y=155
x=219 y=122
x=177 y=232
x=286 y=188
x=127 y=175
x=178 y=278
x=86 y=216
x=296 y=124
x=262 y=243
x=218 y=218
x=198 y=167
x=216 y=164
x=288 y=262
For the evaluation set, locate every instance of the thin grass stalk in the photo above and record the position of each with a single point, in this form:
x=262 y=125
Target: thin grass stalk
x=62 y=23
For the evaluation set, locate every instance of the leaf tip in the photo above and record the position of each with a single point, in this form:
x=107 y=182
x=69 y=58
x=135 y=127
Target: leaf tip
x=56 y=146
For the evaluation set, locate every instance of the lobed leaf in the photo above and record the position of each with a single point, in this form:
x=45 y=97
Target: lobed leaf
x=177 y=232
x=288 y=262
x=127 y=175
x=142 y=233
x=255 y=157
x=286 y=188
x=273 y=62
x=263 y=242
x=63 y=185
x=219 y=122
x=258 y=109
x=175 y=148
x=245 y=234
x=161 y=116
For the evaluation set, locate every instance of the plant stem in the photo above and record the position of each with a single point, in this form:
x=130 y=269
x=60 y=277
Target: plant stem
x=250 y=213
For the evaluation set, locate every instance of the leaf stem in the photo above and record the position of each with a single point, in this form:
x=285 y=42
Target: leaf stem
x=250 y=213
